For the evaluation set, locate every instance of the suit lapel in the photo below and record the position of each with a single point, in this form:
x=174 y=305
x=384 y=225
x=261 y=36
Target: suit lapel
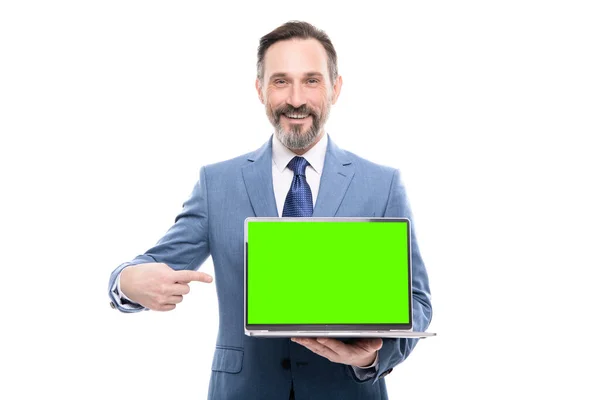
x=338 y=172
x=337 y=175
x=258 y=179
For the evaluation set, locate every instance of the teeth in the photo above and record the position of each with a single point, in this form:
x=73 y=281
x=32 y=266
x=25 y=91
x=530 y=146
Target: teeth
x=296 y=116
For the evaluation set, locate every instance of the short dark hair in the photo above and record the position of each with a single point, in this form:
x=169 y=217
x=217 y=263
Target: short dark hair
x=301 y=30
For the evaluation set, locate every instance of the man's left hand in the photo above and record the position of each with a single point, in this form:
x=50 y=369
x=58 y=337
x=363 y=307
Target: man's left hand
x=360 y=353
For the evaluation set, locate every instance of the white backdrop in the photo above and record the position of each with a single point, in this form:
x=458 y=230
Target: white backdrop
x=490 y=109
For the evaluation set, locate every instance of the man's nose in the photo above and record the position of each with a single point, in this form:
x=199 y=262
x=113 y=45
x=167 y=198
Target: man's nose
x=296 y=97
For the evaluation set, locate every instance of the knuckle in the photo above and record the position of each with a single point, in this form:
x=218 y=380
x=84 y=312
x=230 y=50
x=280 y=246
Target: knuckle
x=162 y=289
x=160 y=300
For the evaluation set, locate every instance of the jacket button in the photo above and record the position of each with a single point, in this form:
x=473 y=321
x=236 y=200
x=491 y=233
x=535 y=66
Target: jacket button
x=112 y=305
x=285 y=363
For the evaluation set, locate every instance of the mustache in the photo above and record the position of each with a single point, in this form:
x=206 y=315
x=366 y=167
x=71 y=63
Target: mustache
x=288 y=109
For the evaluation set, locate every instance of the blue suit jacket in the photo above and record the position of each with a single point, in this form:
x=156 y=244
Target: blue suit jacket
x=212 y=223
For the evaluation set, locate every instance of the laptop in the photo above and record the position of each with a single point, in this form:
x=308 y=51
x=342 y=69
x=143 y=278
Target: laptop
x=338 y=277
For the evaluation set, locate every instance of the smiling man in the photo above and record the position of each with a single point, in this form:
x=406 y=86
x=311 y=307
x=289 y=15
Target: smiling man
x=298 y=172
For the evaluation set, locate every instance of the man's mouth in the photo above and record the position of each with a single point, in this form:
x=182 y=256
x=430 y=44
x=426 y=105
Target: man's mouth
x=296 y=116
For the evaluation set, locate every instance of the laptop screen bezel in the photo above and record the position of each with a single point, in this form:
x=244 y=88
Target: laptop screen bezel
x=327 y=327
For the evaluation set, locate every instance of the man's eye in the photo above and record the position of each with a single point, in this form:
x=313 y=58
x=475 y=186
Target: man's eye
x=279 y=82
x=313 y=81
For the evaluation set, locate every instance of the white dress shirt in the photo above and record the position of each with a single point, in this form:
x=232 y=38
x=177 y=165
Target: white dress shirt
x=282 y=181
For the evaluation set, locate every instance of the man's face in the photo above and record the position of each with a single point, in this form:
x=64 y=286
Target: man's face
x=297 y=92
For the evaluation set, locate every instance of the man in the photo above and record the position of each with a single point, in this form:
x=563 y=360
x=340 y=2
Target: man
x=298 y=172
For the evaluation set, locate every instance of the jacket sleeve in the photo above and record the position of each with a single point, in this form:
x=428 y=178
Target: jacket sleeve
x=395 y=351
x=184 y=246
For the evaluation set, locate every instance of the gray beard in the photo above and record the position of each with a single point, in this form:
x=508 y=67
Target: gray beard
x=295 y=139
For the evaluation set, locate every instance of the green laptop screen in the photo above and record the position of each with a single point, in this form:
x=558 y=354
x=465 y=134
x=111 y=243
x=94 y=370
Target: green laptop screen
x=342 y=272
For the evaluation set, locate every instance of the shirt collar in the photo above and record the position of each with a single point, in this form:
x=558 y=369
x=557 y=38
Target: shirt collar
x=315 y=156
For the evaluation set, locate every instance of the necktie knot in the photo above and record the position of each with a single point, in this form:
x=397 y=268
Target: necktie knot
x=298 y=165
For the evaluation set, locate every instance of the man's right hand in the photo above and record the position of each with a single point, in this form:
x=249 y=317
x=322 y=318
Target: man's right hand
x=157 y=286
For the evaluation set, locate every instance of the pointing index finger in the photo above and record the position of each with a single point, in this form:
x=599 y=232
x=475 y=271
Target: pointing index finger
x=186 y=276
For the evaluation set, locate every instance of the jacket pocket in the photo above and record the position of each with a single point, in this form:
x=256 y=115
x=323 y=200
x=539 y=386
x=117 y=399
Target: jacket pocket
x=227 y=359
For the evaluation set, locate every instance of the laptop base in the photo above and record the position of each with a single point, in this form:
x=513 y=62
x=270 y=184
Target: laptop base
x=341 y=334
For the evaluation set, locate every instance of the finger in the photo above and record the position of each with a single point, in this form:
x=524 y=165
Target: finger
x=174 y=300
x=318 y=348
x=370 y=345
x=165 y=307
x=186 y=276
x=175 y=289
x=180 y=289
x=337 y=346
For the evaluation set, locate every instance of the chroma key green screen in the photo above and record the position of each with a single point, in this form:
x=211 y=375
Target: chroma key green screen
x=342 y=272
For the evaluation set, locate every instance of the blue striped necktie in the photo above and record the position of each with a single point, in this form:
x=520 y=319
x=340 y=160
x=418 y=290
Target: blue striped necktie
x=298 y=202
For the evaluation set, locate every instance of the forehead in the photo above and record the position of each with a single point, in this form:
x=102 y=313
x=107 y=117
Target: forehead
x=296 y=57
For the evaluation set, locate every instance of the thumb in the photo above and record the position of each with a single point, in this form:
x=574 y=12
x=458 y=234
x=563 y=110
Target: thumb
x=186 y=276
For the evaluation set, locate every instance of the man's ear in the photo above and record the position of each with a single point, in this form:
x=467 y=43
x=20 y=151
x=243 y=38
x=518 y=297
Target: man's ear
x=337 y=88
x=258 y=86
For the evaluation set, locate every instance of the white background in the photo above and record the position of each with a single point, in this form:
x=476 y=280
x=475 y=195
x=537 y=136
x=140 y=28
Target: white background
x=490 y=109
